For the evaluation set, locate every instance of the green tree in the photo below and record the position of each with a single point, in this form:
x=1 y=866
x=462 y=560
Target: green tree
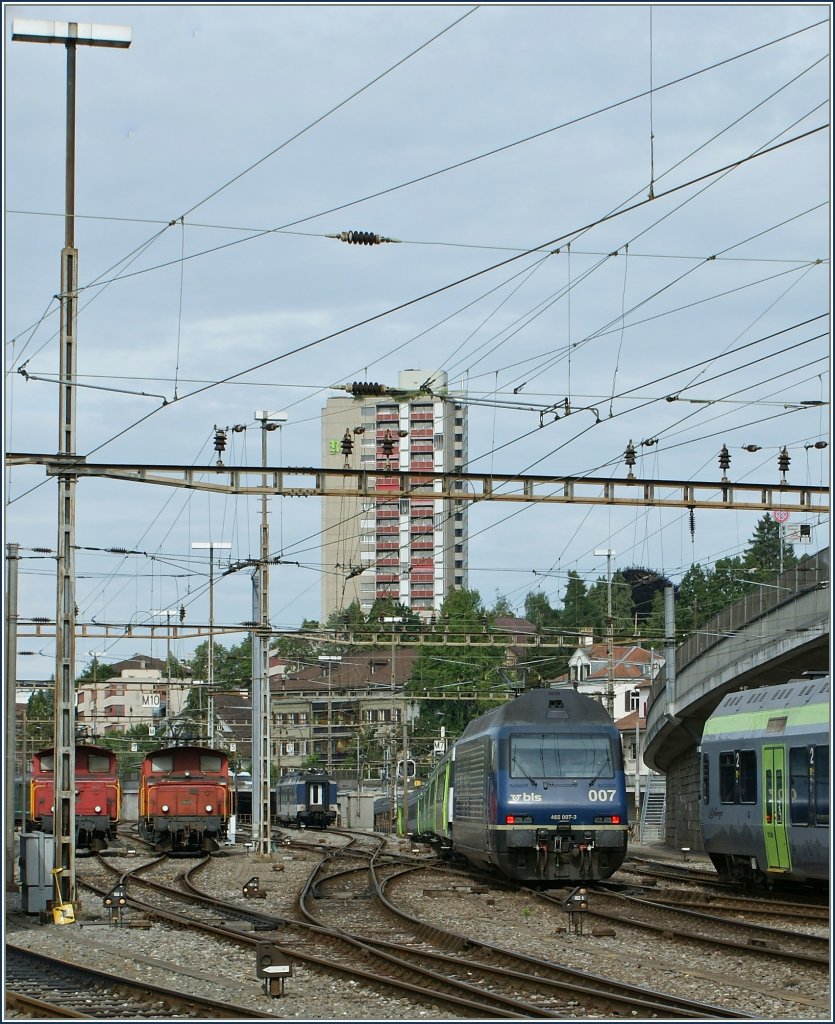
x=575 y=614
x=502 y=608
x=232 y=666
x=40 y=719
x=598 y=607
x=652 y=629
x=442 y=669
x=763 y=558
x=538 y=610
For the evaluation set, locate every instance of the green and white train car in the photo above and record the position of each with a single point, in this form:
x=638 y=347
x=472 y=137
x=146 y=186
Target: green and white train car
x=765 y=783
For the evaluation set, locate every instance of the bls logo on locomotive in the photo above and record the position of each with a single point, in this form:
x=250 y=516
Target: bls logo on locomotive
x=524 y=798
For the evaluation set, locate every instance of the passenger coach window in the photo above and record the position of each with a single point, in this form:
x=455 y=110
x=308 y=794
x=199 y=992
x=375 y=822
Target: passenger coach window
x=727 y=776
x=98 y=763
x=821 y=785
x=210 y=762
x=799 y=784
x=747 y=776
x=738 y=777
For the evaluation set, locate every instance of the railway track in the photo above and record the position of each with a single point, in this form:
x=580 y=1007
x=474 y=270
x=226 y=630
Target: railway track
x=754 y=906
x=48 y=987
x=439 y=969
x=544 y=987
x=302 y=943
x=682 y=923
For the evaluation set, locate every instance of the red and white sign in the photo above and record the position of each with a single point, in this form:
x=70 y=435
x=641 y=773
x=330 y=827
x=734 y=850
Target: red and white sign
x=780 y=516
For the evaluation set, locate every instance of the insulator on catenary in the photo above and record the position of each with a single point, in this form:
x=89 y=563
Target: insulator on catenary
x=783 y=461
x=360 y=387
x=724 y=458
x=361 y=238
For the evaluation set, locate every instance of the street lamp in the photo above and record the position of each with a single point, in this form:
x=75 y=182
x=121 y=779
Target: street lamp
x=212 y=546
x=610 y=668
x=71 y=34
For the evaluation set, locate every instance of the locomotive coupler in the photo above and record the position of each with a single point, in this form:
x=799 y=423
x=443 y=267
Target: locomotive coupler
x=541 y=850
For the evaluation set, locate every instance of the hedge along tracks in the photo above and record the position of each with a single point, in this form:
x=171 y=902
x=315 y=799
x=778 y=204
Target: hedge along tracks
x=48 y=987
x=355 y=900
x=330 y=950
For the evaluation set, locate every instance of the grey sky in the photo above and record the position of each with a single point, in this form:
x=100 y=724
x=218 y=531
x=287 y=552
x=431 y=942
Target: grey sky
x=206 y=91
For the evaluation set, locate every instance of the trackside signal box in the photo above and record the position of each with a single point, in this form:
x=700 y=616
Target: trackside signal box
x=273 y=966
x=37 y=860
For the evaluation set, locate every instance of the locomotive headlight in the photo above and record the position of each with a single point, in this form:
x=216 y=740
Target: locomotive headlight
x=165 y=808
x=97 y=809
x=208 y=808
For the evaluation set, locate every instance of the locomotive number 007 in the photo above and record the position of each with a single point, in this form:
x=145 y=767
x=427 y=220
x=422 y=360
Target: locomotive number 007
x=601 y=795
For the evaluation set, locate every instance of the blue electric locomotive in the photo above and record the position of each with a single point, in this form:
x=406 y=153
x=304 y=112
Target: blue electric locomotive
x=765 y=783
x=306 y=798
x=534 y=789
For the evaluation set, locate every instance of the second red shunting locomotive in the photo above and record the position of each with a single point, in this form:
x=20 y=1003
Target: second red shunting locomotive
x=97 y=795
x=184 y=799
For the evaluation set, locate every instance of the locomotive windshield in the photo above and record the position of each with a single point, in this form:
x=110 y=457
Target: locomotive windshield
x=98 y=764
x=547 y=756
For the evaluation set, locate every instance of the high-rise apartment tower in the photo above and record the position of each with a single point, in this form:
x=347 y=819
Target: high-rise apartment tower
x=413 y=550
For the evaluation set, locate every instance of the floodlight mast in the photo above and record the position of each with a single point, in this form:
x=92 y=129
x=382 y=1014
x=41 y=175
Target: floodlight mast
x=71 y=34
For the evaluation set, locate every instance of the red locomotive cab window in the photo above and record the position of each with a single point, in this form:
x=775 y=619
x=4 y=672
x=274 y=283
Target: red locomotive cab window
x=47 y=763
x=162 y=763
x=98 y=764
x=211 y=763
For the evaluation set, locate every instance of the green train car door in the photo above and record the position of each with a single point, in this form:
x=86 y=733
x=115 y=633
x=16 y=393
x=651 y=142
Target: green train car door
x=774 y=809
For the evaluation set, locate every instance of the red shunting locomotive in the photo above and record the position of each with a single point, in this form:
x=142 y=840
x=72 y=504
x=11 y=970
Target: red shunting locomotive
x=184 y=799
x=98 y=795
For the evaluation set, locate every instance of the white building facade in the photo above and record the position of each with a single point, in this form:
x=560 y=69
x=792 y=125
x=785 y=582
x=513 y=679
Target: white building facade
x=412 y=550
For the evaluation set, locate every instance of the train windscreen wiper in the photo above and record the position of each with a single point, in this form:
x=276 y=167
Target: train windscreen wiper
x=530 y=778
x=602 y=768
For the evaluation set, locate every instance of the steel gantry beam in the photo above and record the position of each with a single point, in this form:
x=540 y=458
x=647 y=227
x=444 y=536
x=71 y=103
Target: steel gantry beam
x=318 y=482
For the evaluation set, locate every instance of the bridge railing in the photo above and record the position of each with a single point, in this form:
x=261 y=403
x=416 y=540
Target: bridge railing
x=809 y=574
